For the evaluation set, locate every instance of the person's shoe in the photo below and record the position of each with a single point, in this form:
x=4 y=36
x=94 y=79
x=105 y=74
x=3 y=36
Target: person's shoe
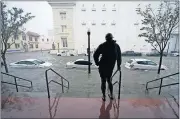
x=111 y=97
x=104 y=98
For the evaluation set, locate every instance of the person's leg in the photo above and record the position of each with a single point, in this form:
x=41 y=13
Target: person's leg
x=103 y=86
x=110 y=85
x=103 y=83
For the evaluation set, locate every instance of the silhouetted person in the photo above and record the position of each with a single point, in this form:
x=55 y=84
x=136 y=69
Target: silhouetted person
x=110 y=52
x=105 y=113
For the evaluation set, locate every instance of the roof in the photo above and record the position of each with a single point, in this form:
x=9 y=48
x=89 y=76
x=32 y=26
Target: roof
x=29 y=33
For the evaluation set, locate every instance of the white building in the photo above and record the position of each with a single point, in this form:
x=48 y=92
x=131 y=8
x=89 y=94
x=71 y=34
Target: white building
x=72 y=19
x=16 y=44
x=173 y=43
x=63 y=26
x=30 y=41
x=45 y=43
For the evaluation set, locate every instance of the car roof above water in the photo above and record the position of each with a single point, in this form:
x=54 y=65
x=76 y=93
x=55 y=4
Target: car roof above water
x=80 y=60
x=140 y=60
x=28 y=59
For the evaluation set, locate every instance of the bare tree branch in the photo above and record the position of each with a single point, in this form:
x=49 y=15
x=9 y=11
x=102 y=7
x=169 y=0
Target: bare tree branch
x=155 y=48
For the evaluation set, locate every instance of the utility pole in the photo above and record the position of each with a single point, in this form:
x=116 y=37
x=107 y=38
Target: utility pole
x=89 y=66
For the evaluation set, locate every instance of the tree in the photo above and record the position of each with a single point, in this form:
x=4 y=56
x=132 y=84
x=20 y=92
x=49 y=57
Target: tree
x=12 y=20
x=157 y=25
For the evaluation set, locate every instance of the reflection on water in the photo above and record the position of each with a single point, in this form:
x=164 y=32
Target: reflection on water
x=54 y=104
x=105 y=112
x=145 y=102
x=116 y=106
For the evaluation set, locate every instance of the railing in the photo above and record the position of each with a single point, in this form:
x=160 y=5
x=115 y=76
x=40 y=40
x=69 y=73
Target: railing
x=160 y=86
x=15 y=80
x=62 y=83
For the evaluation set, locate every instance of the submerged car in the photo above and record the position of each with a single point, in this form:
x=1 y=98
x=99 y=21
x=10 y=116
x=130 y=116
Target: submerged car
x=30 y=63
x=143 y=64
x=80 y=63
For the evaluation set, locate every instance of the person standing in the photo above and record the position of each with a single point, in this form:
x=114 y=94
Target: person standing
x=111 y=53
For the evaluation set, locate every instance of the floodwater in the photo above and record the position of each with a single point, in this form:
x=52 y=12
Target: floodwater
x=84 y=85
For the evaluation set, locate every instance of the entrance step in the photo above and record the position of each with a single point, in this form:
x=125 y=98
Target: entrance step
x=88 y=108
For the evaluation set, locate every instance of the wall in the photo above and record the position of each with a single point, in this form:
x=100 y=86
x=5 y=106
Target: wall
x=57 y=25
x=17 y=41
x=45 y=44
x=174 y=41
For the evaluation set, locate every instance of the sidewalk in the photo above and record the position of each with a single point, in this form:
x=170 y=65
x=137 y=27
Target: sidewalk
x=87 y=108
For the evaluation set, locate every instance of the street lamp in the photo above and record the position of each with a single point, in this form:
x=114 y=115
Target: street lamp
x=88 y=50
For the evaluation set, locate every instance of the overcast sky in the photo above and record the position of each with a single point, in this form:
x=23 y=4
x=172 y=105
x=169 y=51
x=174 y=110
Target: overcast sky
x=44 y=17
x=42 y=11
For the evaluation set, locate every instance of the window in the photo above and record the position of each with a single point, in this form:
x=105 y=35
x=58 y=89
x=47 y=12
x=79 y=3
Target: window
x=30 y=38
x=93 y=9
x=8 y=45
x=25 y=62
x=130 y=61
x=35 y=39
x=104 y=9
x=82 y=62
x=31 y=46
x=63 y=15
x=47 y=39
x=103 y=23
x=53 y=46
x=38 y=62
x=23 y=37
x=43 y=40
x=93 y=23
x=63 y=27
x=64 y=42
x=16 y=37
x=113 y=23
x=83 y=23
x=83 y=9
x=142 y=62
x=16 y=45
x=114 y=7
x=36 y=45
x=151 y=63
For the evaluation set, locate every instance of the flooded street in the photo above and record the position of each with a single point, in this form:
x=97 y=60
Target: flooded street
x=84 y=85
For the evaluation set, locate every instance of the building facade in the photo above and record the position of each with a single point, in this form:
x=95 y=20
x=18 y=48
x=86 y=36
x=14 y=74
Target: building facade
x=72 y=19
x=45 y=43
x=173 y=43
x=63 y=26
x=30 y=41
x=15 y=44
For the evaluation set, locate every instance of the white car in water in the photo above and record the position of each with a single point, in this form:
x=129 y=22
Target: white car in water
x=143 y=64
x=80 y=63
x=30 y=63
